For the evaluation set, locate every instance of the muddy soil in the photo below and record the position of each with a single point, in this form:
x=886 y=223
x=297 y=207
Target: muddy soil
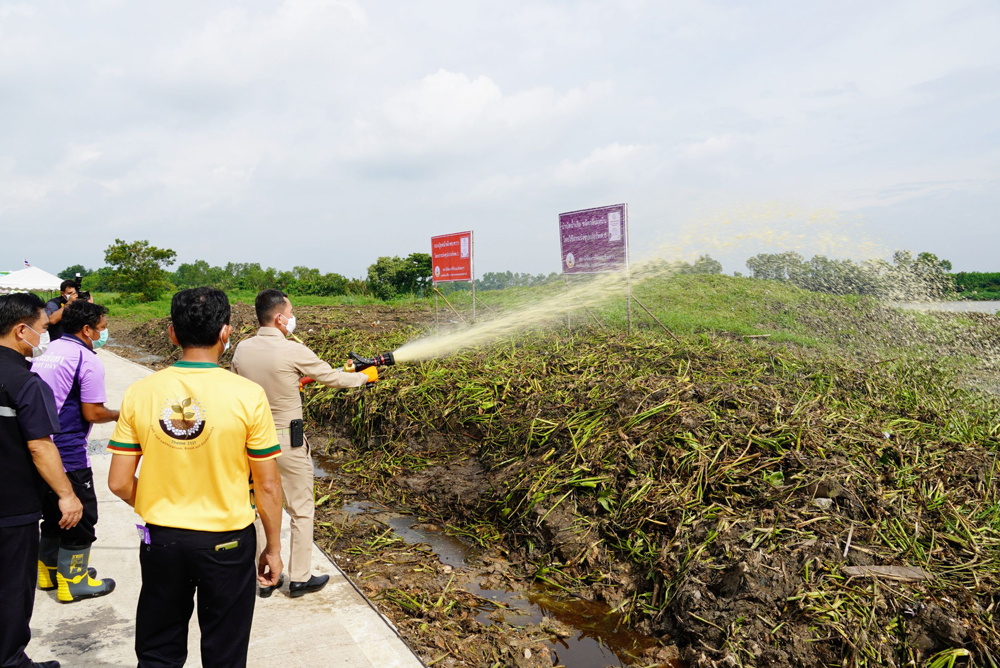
x=458 y=604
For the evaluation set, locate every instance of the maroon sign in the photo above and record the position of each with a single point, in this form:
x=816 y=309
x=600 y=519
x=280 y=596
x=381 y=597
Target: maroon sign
x=594 y=240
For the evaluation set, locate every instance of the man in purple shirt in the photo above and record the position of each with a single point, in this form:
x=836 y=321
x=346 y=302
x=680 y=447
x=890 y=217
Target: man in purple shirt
x=71 y=368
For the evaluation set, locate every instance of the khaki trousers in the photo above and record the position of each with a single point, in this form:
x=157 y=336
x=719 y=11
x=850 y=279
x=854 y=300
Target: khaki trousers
x=296 y=468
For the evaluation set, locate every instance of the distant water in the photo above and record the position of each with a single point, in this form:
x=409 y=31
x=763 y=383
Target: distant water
x=955 y=307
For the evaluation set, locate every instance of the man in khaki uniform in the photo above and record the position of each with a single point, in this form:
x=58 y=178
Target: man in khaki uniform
x=277 y=364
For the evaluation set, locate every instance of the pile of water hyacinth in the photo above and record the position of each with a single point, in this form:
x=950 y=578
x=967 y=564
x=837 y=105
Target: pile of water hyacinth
x=755 y=503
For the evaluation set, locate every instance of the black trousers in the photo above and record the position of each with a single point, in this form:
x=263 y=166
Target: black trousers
x=83 y=534
x=19 y=561
x=175 y=565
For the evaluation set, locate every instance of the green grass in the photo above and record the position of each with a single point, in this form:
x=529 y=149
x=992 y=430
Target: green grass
x=693 y=304
x=981 y=295
x=684 y=303
x=142 y=312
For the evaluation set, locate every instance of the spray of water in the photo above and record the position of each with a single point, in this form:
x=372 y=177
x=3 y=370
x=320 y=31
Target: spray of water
x=774 y=226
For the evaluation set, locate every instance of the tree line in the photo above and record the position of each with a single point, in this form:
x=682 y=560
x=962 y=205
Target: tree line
x=138 y=271
x=978 y=284
x=923 y=277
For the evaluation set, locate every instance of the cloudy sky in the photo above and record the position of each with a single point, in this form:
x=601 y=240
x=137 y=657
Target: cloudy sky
x=328 y=132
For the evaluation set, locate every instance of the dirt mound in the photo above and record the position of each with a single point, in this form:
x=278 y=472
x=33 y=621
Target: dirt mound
x=715 y=492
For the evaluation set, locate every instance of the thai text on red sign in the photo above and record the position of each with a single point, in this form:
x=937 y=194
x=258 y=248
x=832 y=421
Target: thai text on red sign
x=594 y=240
x=451 y=257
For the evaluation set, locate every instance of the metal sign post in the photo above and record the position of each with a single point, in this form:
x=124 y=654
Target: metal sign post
x=628 y=276
x=472 y=270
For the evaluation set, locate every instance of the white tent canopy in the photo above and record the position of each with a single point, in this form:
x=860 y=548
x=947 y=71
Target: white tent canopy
x=31 y=278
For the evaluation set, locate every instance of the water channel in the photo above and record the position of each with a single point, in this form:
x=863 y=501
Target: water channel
x=599 y=637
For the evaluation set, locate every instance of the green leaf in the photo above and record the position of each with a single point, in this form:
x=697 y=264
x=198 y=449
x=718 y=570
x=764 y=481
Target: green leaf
x=777 y=478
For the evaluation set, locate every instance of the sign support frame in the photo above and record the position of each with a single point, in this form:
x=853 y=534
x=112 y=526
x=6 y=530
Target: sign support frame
x=472 y=269
x=628 y=275
x=446 y=273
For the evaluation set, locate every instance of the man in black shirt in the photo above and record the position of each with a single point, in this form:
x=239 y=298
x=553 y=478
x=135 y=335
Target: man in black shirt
x=56 y=307
x=28 y=419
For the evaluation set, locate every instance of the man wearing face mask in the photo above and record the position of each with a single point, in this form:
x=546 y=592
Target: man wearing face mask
x=277 y=364
x=27 y=421
x=72 y=369
x=55 y=308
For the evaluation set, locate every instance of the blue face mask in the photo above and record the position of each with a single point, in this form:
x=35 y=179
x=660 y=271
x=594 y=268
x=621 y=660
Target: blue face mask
x=101 y=341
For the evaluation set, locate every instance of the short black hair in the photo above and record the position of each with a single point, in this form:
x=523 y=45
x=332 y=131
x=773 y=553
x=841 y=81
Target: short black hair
x=266 y=303
x=19 y=308
x=81 y=313
x=198 y=316
x=67 y=284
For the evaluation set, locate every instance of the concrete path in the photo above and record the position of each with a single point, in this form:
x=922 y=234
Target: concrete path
x=335 y=627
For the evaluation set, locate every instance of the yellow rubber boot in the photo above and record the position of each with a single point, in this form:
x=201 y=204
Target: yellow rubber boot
x=48 y=561
x=74 y=579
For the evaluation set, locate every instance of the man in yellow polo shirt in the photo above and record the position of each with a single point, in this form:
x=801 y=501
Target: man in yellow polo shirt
x=207 y=443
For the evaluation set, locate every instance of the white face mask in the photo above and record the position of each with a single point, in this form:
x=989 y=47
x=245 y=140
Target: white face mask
x=290 y=325
x=43 y=344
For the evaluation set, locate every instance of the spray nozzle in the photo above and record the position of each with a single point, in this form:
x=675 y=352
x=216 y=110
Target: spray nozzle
x=359 y=363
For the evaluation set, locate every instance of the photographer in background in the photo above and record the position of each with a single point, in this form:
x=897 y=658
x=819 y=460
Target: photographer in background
x=55 y=308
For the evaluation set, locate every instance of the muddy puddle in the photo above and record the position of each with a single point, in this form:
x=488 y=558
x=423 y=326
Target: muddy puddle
x=585 y=634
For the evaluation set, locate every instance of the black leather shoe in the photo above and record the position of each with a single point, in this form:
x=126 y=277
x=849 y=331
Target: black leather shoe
x=45 y=664
x=316 y=582
x=265 y=592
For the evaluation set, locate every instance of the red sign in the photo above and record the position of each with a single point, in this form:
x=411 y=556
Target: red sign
x=451 y=257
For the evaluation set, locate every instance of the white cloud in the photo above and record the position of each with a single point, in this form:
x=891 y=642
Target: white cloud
x=16 y=9
x=491 y=189
x=447 y=113
x=614 y=163
x=240 y=46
